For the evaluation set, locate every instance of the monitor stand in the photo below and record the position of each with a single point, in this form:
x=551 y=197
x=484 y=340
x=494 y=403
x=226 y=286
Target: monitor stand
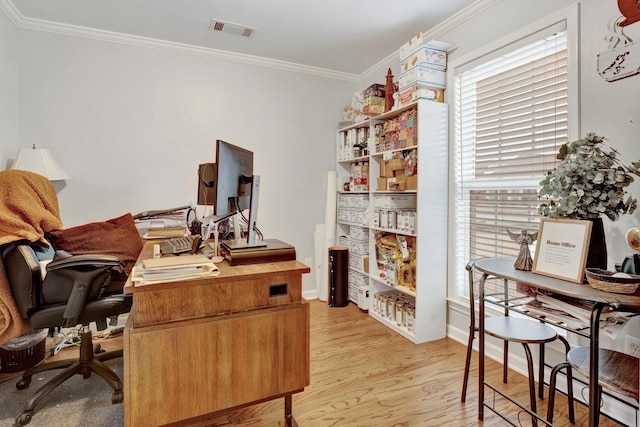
x=237 y=245
x=251 y=241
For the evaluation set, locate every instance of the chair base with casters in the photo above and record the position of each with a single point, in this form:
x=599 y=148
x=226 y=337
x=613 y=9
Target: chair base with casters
x=90 y=361
x=617 y=372
x=86 y=279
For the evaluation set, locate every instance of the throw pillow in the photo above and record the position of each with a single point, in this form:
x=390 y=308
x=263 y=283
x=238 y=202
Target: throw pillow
x=118 y=237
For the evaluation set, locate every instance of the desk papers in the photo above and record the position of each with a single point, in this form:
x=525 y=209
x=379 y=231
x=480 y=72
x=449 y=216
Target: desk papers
x=173 y=268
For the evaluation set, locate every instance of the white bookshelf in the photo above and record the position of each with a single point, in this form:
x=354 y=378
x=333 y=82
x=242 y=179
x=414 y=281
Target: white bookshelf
x=430 y=233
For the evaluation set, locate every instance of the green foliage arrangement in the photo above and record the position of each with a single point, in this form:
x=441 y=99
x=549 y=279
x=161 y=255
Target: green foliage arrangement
x=588 y=182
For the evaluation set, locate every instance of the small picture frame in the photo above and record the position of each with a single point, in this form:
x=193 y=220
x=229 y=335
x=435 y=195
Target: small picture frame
x=561 y=251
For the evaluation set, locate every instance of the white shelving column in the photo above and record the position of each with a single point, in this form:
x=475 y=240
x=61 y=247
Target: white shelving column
x=427 y=294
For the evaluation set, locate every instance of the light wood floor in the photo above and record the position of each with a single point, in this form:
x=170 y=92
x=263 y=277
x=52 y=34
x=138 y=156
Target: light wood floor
x=363 y=374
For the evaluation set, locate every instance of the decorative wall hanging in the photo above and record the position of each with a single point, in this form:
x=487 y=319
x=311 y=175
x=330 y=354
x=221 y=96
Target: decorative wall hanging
x=622 y=59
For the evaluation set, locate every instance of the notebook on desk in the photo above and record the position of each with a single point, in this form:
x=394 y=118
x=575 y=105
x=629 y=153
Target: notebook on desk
x=274 y=251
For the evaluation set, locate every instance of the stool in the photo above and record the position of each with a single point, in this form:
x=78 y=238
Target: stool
x=512 y=329
x=618 y=372
x=525 y=332
x=499 y=326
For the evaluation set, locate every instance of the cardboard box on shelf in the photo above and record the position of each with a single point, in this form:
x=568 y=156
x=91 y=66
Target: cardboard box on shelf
x=400 y=175
x=373 y=110
x=412 y=182
x=373 y=100
x=411 y=46
x=382 y=184
x=425 y=76
x=395 y=164
x=427 y=57
x=398 y=186
x=388 y=172
x=415 y=92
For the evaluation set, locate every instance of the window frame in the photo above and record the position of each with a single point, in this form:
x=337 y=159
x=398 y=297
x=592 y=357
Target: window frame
x=569 y=16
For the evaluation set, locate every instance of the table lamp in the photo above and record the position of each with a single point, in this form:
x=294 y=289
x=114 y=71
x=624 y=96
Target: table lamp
x=40 y=161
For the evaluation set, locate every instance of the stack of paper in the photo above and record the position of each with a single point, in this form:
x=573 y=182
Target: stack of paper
x=538 y=308
x=171 y=269
x=576 y=308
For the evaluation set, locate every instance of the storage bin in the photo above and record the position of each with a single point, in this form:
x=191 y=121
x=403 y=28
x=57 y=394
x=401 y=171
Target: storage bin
x=23 y=352
x=357 y=279
x=399 y=201
x=358 y=233
x=359 y=246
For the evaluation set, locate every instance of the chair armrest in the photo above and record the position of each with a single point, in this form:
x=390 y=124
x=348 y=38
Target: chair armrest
x=83 y=260
x=87 y=273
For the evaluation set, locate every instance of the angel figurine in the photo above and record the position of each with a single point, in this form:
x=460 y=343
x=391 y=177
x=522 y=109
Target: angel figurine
x=524 y=239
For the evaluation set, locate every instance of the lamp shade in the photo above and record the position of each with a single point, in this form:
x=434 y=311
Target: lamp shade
x=40 y=161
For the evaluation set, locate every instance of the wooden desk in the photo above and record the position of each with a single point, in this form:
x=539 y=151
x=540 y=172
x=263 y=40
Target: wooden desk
x=194 y=348
x=503 y=269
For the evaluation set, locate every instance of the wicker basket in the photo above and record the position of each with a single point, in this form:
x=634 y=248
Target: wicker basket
x=23 y=352
x=604 y=281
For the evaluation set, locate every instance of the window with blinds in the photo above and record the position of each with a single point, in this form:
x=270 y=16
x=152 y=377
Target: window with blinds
x=510 y=117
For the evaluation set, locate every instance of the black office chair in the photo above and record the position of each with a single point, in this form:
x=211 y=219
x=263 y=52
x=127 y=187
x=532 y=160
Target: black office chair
x=76 y=290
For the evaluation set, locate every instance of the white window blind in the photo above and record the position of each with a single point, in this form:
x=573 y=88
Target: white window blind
x=511 y=115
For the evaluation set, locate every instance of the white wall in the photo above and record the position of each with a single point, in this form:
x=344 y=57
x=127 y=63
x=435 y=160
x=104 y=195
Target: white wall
x=130 y=125
x=8 y=89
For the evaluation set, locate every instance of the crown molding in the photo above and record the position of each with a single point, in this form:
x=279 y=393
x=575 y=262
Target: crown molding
x=113 y=37
x=10 y=10
x=91 y=33
x=465 y=14
x=447 y=25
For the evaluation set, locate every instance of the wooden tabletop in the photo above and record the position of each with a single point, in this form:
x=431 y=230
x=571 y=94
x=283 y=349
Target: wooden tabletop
x=227 y=272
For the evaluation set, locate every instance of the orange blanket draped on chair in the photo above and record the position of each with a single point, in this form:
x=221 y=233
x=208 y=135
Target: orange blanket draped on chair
x=28 y=210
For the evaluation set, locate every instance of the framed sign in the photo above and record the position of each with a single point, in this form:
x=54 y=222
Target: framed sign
x=562 y=248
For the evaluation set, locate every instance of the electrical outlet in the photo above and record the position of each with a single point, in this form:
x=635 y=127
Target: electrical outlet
x=632 y=346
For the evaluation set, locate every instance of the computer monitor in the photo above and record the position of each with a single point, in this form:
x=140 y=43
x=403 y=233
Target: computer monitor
x=237 y=189
x=234 y=169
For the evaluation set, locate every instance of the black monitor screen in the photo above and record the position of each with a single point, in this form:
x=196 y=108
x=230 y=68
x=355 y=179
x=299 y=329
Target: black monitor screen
x=234 y=168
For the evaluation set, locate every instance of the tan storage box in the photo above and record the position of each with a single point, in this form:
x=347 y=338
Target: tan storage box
x=382 y=184
x=412 y=182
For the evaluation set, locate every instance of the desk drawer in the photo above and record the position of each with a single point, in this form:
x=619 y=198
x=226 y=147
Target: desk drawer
x=214 y=296
x=189 y=369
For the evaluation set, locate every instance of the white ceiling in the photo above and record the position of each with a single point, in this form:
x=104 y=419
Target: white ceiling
x=348 y=36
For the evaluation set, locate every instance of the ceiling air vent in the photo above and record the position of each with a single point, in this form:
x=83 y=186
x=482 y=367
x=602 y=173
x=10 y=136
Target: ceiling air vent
x=230 y=28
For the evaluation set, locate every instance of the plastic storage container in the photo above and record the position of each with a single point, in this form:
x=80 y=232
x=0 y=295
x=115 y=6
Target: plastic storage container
x=23 y=352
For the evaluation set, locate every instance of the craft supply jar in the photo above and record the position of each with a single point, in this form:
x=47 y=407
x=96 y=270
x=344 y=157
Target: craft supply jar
x=409 y=317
